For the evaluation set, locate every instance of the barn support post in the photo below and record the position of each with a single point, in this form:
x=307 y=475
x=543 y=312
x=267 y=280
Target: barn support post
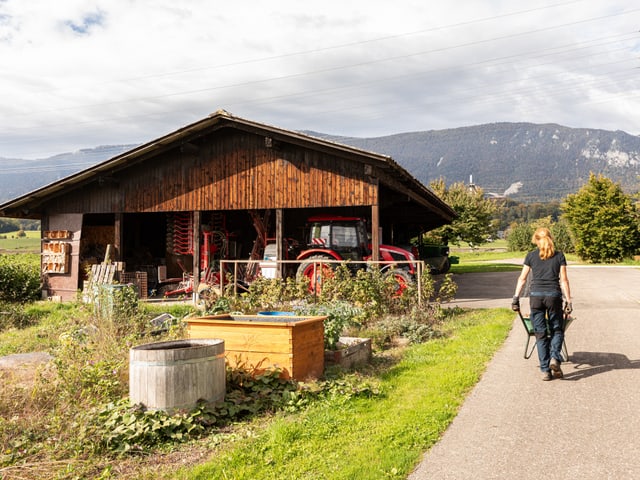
x=279 y=241
x=118 y=236
x=197 y=220
x=375 y=233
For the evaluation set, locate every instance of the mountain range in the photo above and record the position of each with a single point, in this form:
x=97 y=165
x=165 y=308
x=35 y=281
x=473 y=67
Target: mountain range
x=529 y=162
x=526 y=162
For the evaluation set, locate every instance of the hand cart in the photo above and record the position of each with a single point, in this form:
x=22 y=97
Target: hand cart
x=528 y=326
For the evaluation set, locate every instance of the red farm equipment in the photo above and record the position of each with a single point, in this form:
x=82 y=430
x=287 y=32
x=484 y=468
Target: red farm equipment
x=336 y=238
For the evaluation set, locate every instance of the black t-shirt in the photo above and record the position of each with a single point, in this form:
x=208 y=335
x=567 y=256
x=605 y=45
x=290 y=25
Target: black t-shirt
x=545 y=274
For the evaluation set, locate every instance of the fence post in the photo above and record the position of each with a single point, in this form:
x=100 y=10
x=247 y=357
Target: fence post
x=420 y=266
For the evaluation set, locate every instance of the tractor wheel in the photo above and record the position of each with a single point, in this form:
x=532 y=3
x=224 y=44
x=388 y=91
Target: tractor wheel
x=402 y=280
x=315 y=270
x=446 y=266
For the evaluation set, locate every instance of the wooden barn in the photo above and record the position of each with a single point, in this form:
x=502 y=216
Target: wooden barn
x=216 y=189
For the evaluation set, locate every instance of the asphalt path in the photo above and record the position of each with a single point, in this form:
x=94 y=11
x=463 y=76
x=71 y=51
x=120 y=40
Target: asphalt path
x=584 y=426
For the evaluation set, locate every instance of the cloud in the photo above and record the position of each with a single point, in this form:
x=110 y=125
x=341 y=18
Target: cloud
x=125 y=71
x=87 y=23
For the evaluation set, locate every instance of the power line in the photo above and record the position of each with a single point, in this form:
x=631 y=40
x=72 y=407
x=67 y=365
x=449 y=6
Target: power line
x=344 y=66
x=335 y=47
x=501 y=61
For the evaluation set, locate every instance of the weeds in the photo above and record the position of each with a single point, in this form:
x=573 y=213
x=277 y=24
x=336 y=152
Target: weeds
x=13 y=315
x=366 y=303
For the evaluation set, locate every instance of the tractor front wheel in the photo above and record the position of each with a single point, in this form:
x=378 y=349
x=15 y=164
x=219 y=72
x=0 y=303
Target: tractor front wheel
x=316 y=270
x=402 y=280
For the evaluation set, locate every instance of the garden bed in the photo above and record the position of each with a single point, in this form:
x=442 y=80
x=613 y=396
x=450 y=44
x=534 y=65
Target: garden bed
x=350 y=352
x=295 y=344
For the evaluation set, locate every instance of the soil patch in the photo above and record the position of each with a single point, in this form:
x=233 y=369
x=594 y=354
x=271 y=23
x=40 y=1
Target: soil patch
x=21 y=368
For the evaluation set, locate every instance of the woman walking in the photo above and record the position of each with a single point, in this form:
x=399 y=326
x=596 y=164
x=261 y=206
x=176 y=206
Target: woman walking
x=549 y=282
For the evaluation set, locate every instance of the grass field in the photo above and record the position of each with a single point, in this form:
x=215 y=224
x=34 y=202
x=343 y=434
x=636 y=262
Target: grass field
x=11 y=243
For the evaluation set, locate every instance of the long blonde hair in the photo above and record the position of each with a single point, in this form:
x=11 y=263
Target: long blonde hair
x=544 y=240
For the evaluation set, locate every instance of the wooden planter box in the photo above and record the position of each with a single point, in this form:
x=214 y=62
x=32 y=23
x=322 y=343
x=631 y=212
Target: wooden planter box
x=353 y=351
x=292 y=343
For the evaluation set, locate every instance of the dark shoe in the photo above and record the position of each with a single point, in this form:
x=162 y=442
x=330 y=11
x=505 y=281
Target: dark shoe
x=555 y=368
x=546 y=376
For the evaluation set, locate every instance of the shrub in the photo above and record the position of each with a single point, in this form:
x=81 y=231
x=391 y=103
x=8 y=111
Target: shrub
x=85 y=371
x=270 y=293
x=340 y=315
x=19 y=278
x=519 y=237
x=562 y=236
x=349 y=300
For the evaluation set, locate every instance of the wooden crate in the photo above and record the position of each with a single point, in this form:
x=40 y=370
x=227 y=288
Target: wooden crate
x=139 y=279
x=56 y=257
x=57 y=234
x=351 y=351
x=292 y=343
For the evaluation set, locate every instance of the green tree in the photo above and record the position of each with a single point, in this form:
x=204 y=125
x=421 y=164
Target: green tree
x=519 y=237
x=8 y=225
x=513 y=211
x=604 y=220
x=563 y=239
x=475 y=212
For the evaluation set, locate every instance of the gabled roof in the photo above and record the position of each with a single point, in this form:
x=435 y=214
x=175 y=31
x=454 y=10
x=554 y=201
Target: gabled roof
x=22 y=206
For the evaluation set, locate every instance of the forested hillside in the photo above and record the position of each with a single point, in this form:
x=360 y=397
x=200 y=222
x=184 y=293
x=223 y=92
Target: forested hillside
x=549 y=160
x=19 y=176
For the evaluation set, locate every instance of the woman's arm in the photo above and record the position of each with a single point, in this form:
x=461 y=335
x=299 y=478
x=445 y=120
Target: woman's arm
x=564 y=283
x=522 y=279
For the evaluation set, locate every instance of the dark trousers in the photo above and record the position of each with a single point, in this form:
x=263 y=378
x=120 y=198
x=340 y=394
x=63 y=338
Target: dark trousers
x=548 y=325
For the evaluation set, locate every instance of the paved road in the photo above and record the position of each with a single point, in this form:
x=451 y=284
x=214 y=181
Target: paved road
x=586 y=426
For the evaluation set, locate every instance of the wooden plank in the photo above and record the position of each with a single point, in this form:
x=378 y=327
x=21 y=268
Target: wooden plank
x=234 y=172
x=102 y=274
x=251 y=340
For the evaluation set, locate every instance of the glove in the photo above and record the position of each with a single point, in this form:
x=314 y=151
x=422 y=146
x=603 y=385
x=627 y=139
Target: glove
x=568 y=308
x=515 y=304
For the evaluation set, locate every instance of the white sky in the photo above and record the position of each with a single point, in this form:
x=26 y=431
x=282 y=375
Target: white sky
x=82 y=73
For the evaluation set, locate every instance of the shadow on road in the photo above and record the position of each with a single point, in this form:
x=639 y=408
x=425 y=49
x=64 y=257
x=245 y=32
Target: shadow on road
x=588 y=364
x=485 y=285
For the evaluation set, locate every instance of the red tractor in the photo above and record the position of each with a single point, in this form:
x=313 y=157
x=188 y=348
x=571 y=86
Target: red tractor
x=346 y=238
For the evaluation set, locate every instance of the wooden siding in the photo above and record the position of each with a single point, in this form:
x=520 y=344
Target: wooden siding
x=66 y=285
x=231 y=170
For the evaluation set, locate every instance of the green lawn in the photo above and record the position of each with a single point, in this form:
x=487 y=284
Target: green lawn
x=370 y=438
x=492 y=257
x=11 y=243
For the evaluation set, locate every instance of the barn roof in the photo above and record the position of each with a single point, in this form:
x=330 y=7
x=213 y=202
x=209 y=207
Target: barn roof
x=28 y=205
